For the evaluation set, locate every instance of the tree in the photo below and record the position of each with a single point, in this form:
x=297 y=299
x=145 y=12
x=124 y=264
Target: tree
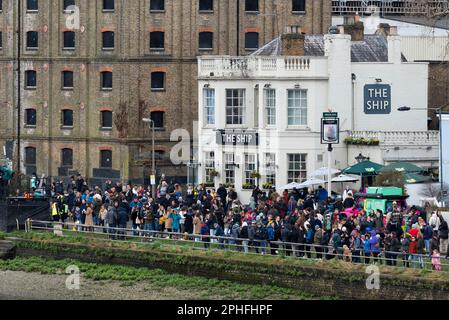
x=391 y=178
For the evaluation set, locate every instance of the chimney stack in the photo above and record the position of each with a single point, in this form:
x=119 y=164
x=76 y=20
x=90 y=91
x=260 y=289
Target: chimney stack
x=386 y=30
x=293 y=41
x=354 y=27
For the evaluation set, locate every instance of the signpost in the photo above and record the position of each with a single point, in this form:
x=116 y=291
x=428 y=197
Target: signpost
x=330 y=134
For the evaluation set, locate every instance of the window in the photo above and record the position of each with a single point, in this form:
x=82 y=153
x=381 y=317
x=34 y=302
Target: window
x=67 y=80
x=108 y=5
x=298 y=5
x=297 y=168
x=209 y=105
x=251 y=40
x=252 y=5
x=32 y=5
x=30 y=117
x=1 y=5
x=30 y=156
x=106 y=119
x=250 y=167
x=105 y=159
x=270 y=163
x=106 y=80
x=235 y=106
x=206 y=5
x=68 y=3
x=157 y=40
x=69 y=40
x=270 y=106
x=206 y=40
x=32 y=40
x=209 y=166
x=297 y=107
x=30 y=79
x=67 y=158
x=67 y=118
x=1 y=39
x=229 y=165
x=158 y=119
x=108 y=40
x=157 y=5
x=157 y=81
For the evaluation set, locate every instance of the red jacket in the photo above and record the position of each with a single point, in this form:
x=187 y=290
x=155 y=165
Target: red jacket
x=412 y=247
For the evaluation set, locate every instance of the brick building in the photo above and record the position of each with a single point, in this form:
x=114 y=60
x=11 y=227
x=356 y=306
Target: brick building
x=86 y=83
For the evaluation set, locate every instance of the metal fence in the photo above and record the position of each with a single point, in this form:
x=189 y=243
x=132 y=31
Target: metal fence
x=246 y=246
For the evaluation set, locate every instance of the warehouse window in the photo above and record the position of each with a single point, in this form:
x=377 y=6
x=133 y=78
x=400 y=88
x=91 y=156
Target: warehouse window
x=106 y=119
x=67 y=158
x=67 y=118
x=30 y=79
x=108 y=40
x=108 y=5
x=69 y=40
x=32 y=40
x=206 y=40
x=32 y=5
x=67 y=80
x=157 y=81
x=251 y=40
x=106 y=80
x=252 y=5
x=157 y=40
x=30 y=156
x=298 y=5
x=68 y=4
x=30 y=117
x=206 y=5
x=105 y=159
x=157 y=5
x=158 y=119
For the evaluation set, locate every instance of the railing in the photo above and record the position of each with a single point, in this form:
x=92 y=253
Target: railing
x=426 y=138
x=390 y=7
x=246 y=246
x=256 y=66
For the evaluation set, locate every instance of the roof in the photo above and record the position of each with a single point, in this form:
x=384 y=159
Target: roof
x=374 y=48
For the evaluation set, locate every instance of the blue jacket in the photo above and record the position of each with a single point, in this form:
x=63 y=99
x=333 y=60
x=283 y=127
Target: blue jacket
x=270 y=230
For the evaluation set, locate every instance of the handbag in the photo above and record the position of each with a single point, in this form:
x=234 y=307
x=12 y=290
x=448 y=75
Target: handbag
x=137 y=220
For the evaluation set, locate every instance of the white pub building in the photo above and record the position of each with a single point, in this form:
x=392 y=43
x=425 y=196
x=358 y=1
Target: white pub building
x=260 y=115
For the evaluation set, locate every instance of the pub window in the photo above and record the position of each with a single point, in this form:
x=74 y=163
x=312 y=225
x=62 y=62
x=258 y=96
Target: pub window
x=67 y=80
x=157 y=5
x=206 y=5
x=108 y=5
x=250 y=167
x=30 y=117
x=30 y=156
x=229 y=166
x=30 y=79
x=106 y=159
x=206 y=40
x=235 y=106
x=69 y=40
x=297 y=168
x=32 y=40
x=252 y=5
x=251 y=40
x=67 y=157
x=106 y=80
x=106 y=119
x=108 y=40
x=32 y=5
x=1 y=5
x=68 y=4
x=67 y=118
x=209 y=166
x=298 y=5
x=158 y=119
x=157 y=40
x=157 y=81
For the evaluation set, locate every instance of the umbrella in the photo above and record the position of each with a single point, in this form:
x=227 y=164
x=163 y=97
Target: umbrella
x=364 y=168
x=291 y=185
x=345 y=178
x=406 y=167
x=311 y=182
x=7 y=173
x=416 y=178
x=324 y=171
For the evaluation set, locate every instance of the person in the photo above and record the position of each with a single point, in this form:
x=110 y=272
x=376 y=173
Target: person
x=197 y=222
x=405 y=248
x=148 y=219
x=176 y=219
x=206 y=235
x=318 y=236
x=244 y=236
x=367 y=248
x=349 y=202
x=111 y=219
x=443 y=235
x=436 y=260
x=102 y=216
x=89 y=217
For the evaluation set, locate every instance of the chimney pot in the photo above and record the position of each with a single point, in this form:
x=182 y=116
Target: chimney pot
x=293 y=42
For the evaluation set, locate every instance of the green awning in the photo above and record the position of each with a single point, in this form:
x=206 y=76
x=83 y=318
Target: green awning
x=405 y=167
x=364 y=168
x=412 y=178
x=7 y=173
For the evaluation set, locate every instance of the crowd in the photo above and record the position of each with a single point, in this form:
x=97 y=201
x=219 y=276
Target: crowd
x=300 y=223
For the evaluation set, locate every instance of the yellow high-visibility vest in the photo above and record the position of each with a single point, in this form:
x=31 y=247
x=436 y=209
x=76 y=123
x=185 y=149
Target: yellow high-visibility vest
x=54 y=210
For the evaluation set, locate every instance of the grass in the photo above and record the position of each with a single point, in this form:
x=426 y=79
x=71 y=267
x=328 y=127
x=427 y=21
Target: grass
x=128 y=276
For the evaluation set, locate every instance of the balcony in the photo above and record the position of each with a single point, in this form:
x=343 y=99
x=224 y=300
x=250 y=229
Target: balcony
x=248 y=67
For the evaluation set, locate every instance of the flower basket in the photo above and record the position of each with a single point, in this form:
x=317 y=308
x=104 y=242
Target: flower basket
x=362 y=141
x=248 y=186
x=267 y=185
x=214 y=173
x=255 y=175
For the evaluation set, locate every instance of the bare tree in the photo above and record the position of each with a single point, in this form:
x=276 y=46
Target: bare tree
x=391 y=178
x=121 y=120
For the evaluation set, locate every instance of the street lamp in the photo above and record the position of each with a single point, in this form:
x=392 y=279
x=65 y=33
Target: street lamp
x=360 y=158
x=440 y=112
x=153 y=161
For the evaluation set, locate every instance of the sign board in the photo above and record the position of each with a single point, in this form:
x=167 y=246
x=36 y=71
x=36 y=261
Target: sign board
x=330 y=131
x=237 y=138
x=330 y=115
x=377 y=99
x=152 y=179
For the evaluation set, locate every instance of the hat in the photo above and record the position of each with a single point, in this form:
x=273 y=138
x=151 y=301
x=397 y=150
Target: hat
x=317 y=227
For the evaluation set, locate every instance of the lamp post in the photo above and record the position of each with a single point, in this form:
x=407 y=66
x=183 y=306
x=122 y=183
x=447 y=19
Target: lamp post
x=153 y=161
x=440 y=112
x=360 y=158
x=19 y=47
